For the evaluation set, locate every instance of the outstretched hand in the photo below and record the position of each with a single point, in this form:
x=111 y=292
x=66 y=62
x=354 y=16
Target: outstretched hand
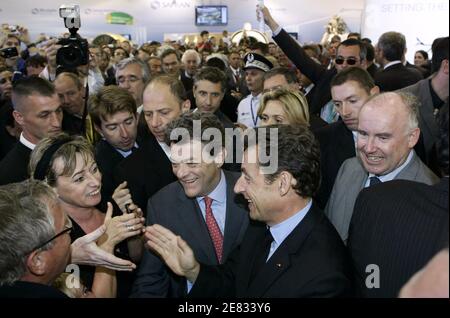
x=86 y=252
x=175 y=252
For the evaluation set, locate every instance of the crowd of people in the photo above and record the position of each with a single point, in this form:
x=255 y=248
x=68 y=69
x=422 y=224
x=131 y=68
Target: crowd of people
x=95 y=174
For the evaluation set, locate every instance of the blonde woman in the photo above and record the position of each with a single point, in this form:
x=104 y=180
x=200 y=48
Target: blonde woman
x=283 y=106
x=67 y=164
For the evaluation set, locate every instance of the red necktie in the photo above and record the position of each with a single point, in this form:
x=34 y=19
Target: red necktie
x=214 y=230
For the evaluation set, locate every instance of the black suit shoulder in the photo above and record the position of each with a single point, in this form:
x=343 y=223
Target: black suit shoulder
x=396 y=77
x=399 y=233
x=188 y=82
x=336 y=145
x=107 y=159
x=14 y=167
x=318 y=74
x=311 y=262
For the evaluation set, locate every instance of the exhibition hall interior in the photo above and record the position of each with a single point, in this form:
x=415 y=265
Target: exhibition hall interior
x=221 y=149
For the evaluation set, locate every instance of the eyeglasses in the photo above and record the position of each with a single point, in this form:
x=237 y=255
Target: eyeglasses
x=350 y=60
x=66 y=230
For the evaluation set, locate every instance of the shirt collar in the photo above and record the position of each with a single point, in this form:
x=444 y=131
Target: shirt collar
x=392 y=63
x=126 y=153
x=235 y=70
x=282 y=230
x=219 y=193
x=391 y=175
x=26 y=142
x=165 y=148
x=257 y=97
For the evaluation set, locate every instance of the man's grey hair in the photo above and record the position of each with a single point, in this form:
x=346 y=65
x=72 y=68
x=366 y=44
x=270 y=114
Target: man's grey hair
x=25 y=223
x=191 y=52
x=132 y=60
x=412 y=104
x=393 y=45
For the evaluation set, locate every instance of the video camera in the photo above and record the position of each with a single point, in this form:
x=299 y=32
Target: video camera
x=75 y=50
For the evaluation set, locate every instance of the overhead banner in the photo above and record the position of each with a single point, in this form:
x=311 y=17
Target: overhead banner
x=421 y=21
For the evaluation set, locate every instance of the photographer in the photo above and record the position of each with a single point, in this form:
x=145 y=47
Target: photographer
x=12 y=57
x=71 y=53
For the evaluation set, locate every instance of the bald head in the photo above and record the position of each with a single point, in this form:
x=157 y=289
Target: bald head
x=431 y=281
x=387 y=132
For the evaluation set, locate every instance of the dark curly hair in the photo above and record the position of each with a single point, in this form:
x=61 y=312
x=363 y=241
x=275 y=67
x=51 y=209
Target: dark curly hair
x=186 y=121
x=298 y=154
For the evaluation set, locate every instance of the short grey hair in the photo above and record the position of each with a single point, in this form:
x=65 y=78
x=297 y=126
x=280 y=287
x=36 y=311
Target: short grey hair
x=191 y=52
x=413 y=105
x=393 y=45
x=25 y=222
x=132 y=60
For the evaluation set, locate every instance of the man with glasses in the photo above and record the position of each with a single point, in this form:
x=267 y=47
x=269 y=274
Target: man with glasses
x=133 y=74
x=35 y=241
x=350 y=53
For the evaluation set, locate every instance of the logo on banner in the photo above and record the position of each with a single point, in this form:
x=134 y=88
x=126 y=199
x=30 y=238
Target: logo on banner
x=169 y=4
x=43 y=11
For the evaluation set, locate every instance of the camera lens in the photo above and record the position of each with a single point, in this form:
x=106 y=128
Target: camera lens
x=69 y=56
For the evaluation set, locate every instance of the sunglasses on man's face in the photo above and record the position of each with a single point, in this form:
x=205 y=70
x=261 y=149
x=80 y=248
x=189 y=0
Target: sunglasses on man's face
x=350 y=60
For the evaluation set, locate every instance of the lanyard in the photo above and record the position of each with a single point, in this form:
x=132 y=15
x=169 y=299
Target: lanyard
x=255 y=120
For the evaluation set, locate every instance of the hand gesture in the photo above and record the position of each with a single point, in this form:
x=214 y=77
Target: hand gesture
x=86 y=252
x=122 y=197
x=50 y=49
x=175 y=252
x=120 y=228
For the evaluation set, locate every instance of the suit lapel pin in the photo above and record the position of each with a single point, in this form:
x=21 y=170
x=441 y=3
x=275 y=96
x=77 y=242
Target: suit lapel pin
x=279 y=265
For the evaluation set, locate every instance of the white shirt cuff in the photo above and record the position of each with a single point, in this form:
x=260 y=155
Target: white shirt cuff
x=277 y=31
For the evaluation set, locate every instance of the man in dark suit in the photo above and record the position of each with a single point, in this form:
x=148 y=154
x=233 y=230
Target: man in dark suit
x=350 y=53
x=350 y=89
x=191 y=61
x=236 y=76
x=148 y=169
x=210 y=85
x=389 y=53
x=291 y=249
x=38 y=111
x=402 y=231
x=432 y=93
x=133 y=75
x=72 y=95
x=183 y=208
x=113 y=111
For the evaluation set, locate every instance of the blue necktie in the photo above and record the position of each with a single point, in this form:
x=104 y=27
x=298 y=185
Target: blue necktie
x=373 y=181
